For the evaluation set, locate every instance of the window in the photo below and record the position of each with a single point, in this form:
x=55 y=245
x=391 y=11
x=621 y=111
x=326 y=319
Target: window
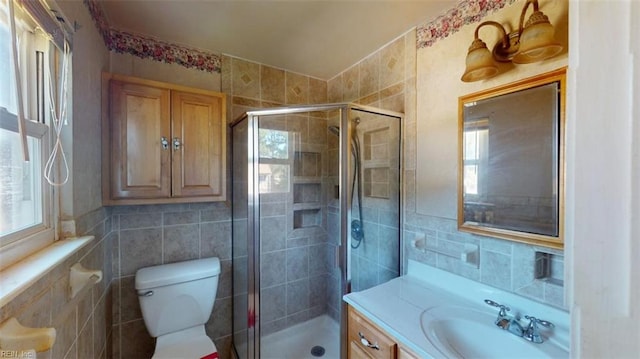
x=476 y=145
x=25 y=197
x=275 y=162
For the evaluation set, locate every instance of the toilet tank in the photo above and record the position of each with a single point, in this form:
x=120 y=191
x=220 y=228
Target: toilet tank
x=177 y=296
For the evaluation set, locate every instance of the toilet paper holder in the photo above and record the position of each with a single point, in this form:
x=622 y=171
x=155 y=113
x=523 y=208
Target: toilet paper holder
x=18 y=341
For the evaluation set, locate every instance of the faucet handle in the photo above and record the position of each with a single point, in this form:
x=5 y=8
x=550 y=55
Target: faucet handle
x=534 y=320
x=532 y=333
x=502 y=320
x=503 y=308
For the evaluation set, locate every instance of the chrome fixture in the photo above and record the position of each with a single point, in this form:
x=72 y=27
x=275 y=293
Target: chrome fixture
x=505 y=321
x=532 y=42
x=511 y=324
x=533 y=333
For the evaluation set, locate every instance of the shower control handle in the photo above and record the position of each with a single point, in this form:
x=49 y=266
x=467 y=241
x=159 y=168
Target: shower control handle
x=367 y=343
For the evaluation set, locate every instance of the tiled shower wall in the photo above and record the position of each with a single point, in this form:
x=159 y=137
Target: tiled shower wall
x=85 y=332
x=157 y=234
x=381 y=80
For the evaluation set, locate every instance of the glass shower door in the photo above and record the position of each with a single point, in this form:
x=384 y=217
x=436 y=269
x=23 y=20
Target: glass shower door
x=295 y=250
x=374 y=215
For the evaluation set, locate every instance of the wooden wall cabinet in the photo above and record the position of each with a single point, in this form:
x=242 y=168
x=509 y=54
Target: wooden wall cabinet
x=368 y=341
x=162 y=143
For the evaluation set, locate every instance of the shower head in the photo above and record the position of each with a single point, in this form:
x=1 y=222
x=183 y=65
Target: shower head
x=335 y=130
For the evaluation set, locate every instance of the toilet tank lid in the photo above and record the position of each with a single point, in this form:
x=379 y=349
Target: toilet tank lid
x=179 y=272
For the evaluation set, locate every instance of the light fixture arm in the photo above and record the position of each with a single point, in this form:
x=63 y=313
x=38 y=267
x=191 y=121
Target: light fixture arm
x=505 y=37
x=536 y=8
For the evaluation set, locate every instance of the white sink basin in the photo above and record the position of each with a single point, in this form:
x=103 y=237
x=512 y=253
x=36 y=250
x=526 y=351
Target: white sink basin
x=461 y=332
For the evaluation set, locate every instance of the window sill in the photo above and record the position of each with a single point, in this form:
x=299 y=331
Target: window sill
x=18 y=277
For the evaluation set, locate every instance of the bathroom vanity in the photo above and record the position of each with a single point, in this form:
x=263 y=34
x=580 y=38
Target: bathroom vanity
x=367 y=340
x=429 y=313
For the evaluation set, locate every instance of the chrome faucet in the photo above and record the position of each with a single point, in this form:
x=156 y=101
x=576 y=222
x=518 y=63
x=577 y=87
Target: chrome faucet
x=532 y=333
x=513 y=326
x=505 y=321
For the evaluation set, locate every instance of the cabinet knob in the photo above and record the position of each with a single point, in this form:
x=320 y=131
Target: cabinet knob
x=164 y=142
x=176 y=143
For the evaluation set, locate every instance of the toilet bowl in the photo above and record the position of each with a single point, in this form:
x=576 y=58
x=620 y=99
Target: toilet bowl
x=176 y=301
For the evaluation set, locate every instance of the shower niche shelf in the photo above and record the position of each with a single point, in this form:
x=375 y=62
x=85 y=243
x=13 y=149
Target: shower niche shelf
x=307 y=164
x=306 y=192
x=376 y=182
x=307 y=218
x=376 y=163
x=307 y=188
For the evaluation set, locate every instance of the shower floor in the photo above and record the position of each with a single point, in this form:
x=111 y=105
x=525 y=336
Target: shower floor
x=297 y=341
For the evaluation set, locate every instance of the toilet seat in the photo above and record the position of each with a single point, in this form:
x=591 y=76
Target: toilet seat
x=192 y=343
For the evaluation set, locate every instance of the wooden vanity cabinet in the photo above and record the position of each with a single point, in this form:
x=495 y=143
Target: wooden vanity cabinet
x=381 y=345
x=162 y=143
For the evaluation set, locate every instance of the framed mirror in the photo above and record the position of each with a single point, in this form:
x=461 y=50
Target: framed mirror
x=511 y=161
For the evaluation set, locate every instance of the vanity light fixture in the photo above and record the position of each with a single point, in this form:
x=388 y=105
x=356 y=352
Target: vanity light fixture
x=532 y=42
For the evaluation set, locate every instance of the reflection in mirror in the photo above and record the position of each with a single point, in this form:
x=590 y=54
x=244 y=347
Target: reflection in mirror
x=511 y=146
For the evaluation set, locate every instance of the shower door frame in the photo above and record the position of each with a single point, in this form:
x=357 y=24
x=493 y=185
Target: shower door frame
x=253 y=208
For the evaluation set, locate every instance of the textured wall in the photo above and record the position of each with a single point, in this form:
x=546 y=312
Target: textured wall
x=90 y=57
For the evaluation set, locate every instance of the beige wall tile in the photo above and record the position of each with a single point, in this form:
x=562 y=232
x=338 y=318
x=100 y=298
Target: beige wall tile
x=334 y=89
x=369 y=75
x=410 y=54
x=350 y=84
x=245 y=78
x=297 y=88
x=317 y=91
x=392 y=63
x=272 y=84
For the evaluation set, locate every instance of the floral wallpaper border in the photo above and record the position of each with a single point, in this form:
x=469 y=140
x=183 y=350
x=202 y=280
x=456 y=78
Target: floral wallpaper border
x=465 y=12
x=147 y=47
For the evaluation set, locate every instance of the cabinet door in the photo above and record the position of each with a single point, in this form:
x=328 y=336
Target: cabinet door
x=140 y=166
x=198 y=126
x=361 y=331
x=356 y=352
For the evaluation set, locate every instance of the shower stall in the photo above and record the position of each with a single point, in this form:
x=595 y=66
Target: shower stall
x=315 y=215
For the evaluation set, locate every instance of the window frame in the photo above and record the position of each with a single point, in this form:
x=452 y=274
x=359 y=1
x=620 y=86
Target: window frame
x=16 y=245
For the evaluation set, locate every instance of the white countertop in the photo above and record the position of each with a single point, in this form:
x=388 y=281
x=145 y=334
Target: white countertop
x=396 y=306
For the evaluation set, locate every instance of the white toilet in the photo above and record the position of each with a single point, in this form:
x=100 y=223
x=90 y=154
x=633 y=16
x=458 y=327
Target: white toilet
x=176 y=301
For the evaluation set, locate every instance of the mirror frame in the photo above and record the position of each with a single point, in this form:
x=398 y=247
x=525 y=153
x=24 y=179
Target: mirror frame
x=559 y=76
